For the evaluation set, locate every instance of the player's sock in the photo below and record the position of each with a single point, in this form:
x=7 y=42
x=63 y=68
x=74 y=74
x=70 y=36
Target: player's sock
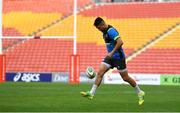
x=138 y=90
x=93 y=89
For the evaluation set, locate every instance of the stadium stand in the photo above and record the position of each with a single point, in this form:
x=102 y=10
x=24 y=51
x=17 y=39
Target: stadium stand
x=136 y=26
x=10 y=42
x=32 y=15
x=162 y=58
x=35 y=55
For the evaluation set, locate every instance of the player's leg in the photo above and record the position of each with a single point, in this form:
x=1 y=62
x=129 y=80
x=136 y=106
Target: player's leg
x=127 y=78
x=104 y=67
x=102 y=70
x=121 y=66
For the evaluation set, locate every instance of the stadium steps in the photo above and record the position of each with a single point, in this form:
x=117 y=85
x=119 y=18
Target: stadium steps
x=8 y=43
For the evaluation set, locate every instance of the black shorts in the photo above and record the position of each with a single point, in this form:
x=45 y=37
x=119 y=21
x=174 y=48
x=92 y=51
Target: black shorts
x=120 y=64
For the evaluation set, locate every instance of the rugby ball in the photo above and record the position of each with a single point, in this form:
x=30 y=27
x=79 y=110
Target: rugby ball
x=90 y=72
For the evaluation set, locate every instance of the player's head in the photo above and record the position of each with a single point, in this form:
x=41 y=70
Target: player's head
x=100 y=24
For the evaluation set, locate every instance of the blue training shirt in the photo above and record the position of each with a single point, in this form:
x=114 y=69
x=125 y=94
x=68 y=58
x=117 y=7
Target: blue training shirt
x=110 y=36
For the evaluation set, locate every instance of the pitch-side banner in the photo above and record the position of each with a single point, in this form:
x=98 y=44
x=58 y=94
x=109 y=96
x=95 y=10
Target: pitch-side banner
x=146 y=79
x=60 y=77
x=29 y=77
x=170 y=79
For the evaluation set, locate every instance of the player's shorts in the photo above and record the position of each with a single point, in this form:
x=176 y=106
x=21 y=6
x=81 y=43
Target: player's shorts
x=120 y=64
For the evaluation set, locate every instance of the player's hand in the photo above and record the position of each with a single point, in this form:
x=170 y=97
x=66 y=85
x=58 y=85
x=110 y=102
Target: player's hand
x=110 y=54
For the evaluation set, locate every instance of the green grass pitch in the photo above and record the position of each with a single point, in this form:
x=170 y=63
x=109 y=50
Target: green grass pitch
x=57 y=97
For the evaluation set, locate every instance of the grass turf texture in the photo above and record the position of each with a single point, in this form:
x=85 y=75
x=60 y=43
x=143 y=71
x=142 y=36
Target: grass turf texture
x=57 y=97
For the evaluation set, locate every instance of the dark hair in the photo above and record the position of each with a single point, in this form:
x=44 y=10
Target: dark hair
x=97 y=21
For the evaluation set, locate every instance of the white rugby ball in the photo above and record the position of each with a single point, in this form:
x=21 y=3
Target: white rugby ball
x=90 y=72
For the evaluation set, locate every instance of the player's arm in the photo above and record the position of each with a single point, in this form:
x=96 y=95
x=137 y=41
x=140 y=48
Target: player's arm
x=115 y=36
x=117 y=46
